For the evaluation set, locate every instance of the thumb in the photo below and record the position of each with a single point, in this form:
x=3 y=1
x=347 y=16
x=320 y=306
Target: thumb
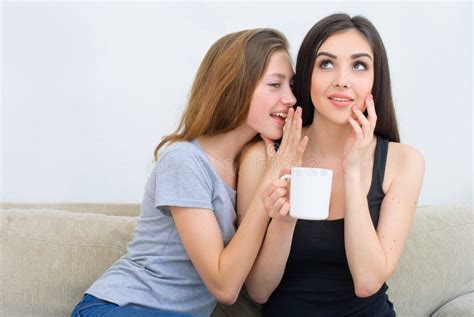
x=285 y=170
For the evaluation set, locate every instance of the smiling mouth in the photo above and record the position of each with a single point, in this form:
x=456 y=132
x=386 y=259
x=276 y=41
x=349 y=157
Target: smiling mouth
x=341 y=102
x=279 y=117
x=279 y=114
x=340 y=99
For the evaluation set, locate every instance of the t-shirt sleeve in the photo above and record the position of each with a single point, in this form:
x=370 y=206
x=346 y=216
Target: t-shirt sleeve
x=183 y=180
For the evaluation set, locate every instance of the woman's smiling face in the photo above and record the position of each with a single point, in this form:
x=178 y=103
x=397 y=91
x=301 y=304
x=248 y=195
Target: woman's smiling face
x=343 y=75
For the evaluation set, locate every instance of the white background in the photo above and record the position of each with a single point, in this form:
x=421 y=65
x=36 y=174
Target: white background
x=89 y=88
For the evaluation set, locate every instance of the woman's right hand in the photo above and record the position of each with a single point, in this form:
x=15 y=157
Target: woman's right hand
x=291 y=149
x=276 y=200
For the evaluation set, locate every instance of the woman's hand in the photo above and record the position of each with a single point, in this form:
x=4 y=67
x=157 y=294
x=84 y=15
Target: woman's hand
x=276 y=199
x=362 y=134
x=290 y=152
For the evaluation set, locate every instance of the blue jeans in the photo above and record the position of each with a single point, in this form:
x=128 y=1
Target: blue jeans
x=93 y=306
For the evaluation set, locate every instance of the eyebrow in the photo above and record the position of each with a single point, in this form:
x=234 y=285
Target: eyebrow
x=353 y=56
x=277 y=75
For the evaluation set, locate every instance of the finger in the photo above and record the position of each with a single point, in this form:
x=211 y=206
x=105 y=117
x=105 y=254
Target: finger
x=289 y=120
x=359 y=115
x=285 y=209
x=280 y=183
x=294 y=135
x=285 y=171
x=296 y=118
x=366 y=128
x=278 y=205
x=277 y=194
x=298 y=124
x=291 y=128
x=272 y=192
x=267 y=192
x=372 y=115
x=301 y=148
x=356 y=128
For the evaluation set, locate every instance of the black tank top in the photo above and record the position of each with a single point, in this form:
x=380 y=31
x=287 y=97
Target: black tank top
x=317 y=280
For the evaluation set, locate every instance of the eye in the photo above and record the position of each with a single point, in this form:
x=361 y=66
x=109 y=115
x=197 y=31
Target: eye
x=326 y=64
x=275 y=85
x=360 y=66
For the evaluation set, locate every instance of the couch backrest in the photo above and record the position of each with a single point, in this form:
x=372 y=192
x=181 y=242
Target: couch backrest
x=48 y=258
x=437 y=263
x=130 y=210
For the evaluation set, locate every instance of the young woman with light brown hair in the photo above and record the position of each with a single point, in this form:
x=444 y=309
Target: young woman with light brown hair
x=186 y=252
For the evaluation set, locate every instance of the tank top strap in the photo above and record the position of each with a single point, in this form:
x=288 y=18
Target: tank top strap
x=380 y=160
x=376 y=194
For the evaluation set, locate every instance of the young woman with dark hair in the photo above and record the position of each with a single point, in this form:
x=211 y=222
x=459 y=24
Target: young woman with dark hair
x=339 y=266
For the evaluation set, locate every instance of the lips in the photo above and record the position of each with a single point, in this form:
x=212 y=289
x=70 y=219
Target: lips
x=340 y=100
x=279 y=117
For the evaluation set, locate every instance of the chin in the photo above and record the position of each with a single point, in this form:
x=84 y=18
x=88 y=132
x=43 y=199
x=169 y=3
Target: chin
x=339 y=120
x=272 y=135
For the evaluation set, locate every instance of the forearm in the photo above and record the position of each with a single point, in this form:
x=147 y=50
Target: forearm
x=270 y=265
x=237 y=258
x=365 y=255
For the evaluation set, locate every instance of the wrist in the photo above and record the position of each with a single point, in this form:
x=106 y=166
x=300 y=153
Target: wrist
x=287 y=223
x=352 y=176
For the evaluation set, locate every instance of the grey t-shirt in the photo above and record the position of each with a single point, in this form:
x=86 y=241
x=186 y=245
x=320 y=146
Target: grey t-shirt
x=156 y=271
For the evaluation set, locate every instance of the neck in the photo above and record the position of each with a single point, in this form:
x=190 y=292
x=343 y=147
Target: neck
x=326 y=139
x=227 y=146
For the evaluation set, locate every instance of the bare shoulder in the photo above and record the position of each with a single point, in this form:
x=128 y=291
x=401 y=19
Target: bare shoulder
x=405 y=155
x=253 y=159
x=402 y=159
x=251 y=170
x=253 y=150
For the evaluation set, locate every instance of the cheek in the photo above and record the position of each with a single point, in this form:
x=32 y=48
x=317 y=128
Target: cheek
x=253 y=116
x=257 y=110
x=363 y=88
x=319 y=84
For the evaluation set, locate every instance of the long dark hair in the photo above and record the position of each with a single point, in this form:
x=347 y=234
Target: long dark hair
x=386 y=121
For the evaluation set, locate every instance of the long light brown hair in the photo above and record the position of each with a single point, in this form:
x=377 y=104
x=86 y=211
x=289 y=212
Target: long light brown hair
x=221 y=93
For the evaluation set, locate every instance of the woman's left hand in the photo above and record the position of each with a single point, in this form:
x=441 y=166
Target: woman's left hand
x=362 y=134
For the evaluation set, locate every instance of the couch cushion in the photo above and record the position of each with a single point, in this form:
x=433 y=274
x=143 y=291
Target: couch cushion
x=50 y=257
x=461 y=306
x=436 y=264
x=119 y=209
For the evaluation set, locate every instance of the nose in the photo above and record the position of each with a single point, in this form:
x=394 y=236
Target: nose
x=341 y=81
x=288 y=99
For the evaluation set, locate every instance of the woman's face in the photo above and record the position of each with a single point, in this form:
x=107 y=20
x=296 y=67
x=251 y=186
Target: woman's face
x=272 y=97
x=343 y=74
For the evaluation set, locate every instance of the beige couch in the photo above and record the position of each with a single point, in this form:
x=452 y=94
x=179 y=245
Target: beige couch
x=49 y=256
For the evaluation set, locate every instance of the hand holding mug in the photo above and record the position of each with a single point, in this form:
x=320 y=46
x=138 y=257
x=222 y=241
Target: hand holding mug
x=275 y=198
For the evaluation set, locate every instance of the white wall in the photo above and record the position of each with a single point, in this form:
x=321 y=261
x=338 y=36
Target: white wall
x=89 y=88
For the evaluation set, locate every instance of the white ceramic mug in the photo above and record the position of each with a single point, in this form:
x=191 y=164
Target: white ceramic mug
x=310 y=192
